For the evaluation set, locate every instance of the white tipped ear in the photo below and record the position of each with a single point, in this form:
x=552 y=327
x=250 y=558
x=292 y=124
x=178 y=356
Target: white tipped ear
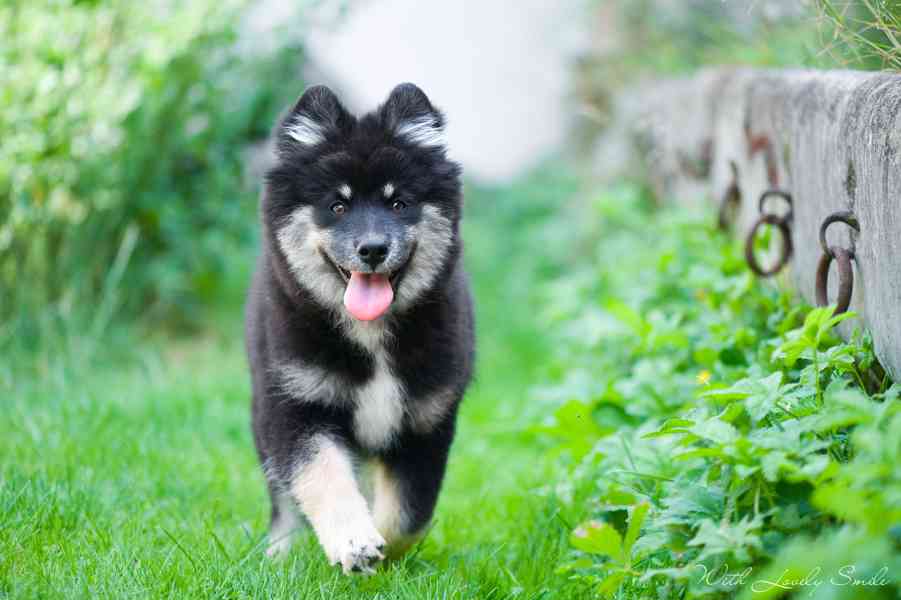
x=316 y=116
x=302 y=128
x=423 y=131
x=409 y=115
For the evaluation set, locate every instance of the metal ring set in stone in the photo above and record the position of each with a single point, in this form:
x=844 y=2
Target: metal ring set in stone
x=842 y=259
x=782 y=222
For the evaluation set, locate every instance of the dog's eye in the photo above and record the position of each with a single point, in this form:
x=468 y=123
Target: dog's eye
x=398 y=206
x=339 y=208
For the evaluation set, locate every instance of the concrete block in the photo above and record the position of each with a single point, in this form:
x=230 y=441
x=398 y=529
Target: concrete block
x=829 y=138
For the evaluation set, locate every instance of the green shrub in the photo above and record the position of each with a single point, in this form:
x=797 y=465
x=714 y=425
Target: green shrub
x=121 y=171
x=716 y=427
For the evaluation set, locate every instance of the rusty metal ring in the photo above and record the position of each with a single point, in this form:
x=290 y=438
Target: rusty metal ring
x=782 y=224
x=781 y=194
x=845 y=278
x=844 y=216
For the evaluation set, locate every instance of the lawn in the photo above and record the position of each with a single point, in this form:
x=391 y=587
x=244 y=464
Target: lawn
x=647 y=418
x=131 y=472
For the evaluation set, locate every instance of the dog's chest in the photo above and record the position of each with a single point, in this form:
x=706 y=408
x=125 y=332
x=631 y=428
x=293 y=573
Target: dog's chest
x=378 y=406
x=379 y=402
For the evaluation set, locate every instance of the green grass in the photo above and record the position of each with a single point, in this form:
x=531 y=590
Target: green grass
x=133 y=474
x=644 y=408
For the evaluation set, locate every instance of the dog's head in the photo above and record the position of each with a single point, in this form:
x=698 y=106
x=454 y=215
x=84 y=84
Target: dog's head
x=364 y=211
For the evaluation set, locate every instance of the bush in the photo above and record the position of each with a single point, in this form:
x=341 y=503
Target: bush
x=715 y=425
x=121 y=169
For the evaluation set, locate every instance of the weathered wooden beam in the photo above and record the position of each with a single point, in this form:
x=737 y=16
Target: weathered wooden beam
x=831 y=139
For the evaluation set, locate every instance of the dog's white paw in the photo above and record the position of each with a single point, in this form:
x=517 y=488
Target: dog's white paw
x=356 y=550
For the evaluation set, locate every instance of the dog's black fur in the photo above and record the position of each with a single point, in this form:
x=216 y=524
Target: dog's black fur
x=297 y=332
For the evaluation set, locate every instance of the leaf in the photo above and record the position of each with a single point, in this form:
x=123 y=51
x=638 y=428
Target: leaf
x=715 y=430
x=616 y=499
x=700 y=453
x=671 y=427
x=575 y=426
x=732 y=356
x=840 y=358
x=815 y=320
x=632 y=532
x=792 y=349
x=844 y=407
x=845 y=503
x=611 y=583
x=575 y=416
x=705 y=356
x=789 y=321
x=737 y=391
x=765 y=397
x=832 y=322
x=731 y=413
x=723 y=539
x=597 y=537
x=772 y=463
x=627 y=316
x=688 y=504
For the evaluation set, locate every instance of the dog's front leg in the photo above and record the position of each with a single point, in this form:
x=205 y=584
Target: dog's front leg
x=325 y=488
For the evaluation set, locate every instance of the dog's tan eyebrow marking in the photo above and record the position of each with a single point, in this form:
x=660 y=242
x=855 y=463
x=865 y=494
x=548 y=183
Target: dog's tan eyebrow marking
x=388 y=190
x=345 y=191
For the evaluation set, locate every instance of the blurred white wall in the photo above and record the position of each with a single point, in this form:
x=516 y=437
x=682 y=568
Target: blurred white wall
x=499 y=70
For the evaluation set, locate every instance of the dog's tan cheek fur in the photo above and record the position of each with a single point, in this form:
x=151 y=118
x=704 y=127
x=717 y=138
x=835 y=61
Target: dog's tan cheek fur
x=300 y=241
x=433 y=236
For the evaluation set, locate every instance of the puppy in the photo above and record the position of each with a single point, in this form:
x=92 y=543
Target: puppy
x=359 y=323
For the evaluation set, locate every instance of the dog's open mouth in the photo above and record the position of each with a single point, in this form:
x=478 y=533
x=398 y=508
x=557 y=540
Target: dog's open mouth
x=368 y=295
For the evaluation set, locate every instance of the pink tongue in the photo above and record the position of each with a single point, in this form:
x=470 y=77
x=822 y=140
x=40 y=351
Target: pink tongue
x=368 y=295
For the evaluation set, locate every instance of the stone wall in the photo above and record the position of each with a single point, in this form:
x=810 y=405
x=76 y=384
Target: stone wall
x=831 y=139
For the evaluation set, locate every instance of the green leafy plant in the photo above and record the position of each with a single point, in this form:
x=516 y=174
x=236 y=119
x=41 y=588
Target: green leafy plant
x=602 y=539
x=733 y=426
x=122 y=167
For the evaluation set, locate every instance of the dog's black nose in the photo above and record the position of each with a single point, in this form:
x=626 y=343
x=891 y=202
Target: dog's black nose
x=373 y=251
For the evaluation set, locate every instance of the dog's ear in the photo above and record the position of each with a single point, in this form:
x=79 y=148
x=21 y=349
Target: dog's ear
x=409 y=115
x=316 y=117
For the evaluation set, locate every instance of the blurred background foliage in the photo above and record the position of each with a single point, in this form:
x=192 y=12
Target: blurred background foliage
x=122 y=165
x=127 y=130
x=863 y=34
x=635 y=40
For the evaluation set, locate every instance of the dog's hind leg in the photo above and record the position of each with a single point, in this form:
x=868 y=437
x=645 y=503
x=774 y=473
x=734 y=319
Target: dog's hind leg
x=325 y=488
x=284 y=524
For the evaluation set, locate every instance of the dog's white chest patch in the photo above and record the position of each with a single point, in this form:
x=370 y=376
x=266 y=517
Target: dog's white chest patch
x=379 y=411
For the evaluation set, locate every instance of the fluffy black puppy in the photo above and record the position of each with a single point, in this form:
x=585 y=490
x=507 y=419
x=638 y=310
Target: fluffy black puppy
x=359 y=322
